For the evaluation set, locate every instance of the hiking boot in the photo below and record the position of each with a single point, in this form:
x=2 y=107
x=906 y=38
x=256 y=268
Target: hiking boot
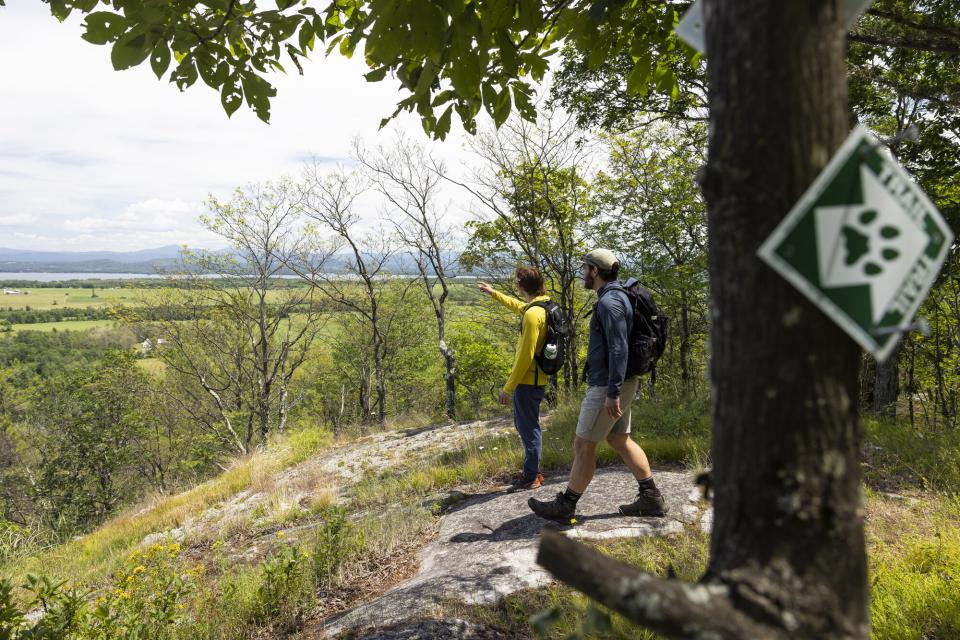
x=649 y=502
x=560 y=509
x=523 y=483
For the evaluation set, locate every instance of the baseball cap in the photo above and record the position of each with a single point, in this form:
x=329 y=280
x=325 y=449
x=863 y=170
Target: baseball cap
x=601 y=258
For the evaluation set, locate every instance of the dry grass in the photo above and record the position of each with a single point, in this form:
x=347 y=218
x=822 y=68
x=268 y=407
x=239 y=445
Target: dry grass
x=90 y=559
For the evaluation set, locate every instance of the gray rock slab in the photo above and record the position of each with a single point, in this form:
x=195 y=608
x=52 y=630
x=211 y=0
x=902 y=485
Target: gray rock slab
x=432 y=630
x=486 y=546
x=391 y=448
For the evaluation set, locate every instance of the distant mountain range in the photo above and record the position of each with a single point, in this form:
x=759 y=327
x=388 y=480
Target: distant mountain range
x=145 y=261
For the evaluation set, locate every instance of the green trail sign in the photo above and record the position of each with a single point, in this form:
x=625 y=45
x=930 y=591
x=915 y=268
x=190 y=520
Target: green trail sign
x=864 y=243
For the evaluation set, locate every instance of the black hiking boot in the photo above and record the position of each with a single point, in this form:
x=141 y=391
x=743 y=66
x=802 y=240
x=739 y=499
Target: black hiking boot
x=524 y=483
x=560 y=509
x=649 y=502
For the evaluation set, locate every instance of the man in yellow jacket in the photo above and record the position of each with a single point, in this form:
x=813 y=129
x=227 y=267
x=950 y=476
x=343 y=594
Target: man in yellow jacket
x=527 y=380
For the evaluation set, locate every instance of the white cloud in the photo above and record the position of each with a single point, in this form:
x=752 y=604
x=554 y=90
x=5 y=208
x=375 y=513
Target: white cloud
x=16 y=219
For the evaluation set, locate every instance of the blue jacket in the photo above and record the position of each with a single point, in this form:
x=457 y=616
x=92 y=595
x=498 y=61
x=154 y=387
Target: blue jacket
x=608 y=349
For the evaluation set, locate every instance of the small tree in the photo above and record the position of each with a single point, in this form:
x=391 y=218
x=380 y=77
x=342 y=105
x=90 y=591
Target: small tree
x=409 y=178
x=328 y=201
x=237 y=339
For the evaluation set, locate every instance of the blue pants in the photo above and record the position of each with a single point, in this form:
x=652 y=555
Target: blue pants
x=526 y=417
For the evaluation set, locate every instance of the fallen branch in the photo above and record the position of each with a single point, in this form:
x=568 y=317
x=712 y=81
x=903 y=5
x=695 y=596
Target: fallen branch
x=673 y=608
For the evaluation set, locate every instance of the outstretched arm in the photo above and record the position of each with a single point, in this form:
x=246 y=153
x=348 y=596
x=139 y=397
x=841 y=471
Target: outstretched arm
x=514 y=304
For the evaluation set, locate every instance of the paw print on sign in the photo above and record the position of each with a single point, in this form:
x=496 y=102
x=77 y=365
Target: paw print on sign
x=873 y=245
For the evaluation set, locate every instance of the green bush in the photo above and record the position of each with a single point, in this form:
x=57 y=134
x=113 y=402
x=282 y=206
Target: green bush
x=147 y=601
x=283 y=580
x=899 y=453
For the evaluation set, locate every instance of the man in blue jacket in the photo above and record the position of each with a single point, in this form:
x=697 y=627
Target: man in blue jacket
x=605 y=412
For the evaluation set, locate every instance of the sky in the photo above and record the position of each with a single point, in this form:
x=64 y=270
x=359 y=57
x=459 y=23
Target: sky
x=95 y=159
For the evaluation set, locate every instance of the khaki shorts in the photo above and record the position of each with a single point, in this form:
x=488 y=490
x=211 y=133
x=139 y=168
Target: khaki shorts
x=594 y=423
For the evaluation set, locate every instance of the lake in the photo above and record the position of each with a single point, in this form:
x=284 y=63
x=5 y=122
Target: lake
x=54 y=277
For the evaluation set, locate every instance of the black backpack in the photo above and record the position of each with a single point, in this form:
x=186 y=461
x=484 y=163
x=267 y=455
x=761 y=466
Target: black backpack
x=551 y=356
x=650 y=330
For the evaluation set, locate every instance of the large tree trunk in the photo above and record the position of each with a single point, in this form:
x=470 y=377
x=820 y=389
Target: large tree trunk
x=787 y=555
x=788 y=530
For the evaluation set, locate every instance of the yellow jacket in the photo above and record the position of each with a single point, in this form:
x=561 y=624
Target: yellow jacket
x=532 y=336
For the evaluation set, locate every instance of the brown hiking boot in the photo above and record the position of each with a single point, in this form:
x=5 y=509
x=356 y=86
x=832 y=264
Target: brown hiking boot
x=649 y=502
x=560 y=509
x=525 y=483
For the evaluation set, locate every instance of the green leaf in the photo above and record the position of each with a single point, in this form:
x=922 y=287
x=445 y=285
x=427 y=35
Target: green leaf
x=443 y=124
x=231 y=97
x=283 y=5
x=307 y=36
x=85 y=6
x=497 y=14
x=213 y=72
x=489 y=95
x=529 y=16
x=501 y=110
x=465 y=74
x=258 y=93
x=284 y=27
x=160 y=58
x=377 y=74
x=521 y=96
x=103 y=27
x=60 y=9
x=185 y=74
x=130 y=50
x=348 y=44
x=638 y=81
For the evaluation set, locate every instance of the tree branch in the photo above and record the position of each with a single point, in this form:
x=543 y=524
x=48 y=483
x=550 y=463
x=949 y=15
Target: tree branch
x=672 y=607
x=898 y=42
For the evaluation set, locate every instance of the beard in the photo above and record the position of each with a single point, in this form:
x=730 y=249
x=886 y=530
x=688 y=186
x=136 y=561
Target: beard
x=588 y=280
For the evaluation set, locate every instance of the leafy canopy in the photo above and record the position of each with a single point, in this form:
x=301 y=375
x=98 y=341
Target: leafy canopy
x=448 y=55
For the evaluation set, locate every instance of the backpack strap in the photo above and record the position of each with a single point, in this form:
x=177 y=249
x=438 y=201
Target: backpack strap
x=614 y=285
x=543 y=305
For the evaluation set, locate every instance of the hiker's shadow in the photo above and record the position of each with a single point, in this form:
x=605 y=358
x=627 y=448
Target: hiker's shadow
x=519 y=528
x=524 y=527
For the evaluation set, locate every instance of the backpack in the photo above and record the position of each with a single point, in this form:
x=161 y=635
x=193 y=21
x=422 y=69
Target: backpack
x=551 y=356
x=650 y=330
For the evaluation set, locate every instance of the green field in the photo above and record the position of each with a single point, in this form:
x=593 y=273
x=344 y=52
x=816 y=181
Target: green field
x=153 y=366
x=72 y=325
x=56 y=297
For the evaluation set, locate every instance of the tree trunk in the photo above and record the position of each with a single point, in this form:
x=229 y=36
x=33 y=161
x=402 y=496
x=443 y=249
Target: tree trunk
x=788 y=531
x=684 y=343
x=886 y=387
x=911 y=383
x=364 y=396
x=868 y=380
x=451 y=366
x=381 y=384
x=449 y=358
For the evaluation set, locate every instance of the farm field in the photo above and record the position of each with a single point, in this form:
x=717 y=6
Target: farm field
x=70 y=297
x=69 y=325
